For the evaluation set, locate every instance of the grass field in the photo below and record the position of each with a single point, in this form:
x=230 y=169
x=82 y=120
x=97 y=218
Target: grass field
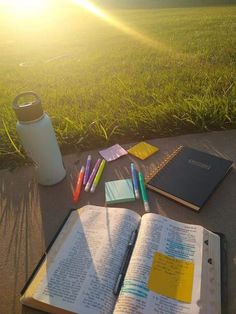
x=155 y=72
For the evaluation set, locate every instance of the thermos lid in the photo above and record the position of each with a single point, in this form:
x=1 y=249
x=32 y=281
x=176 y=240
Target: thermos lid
x=28 y=111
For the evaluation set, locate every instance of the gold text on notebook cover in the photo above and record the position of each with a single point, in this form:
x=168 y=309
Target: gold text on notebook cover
x=199 y=164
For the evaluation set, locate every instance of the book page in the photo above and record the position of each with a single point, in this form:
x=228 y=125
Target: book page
x=170 y=238
x=84 y=263
x=211 y=274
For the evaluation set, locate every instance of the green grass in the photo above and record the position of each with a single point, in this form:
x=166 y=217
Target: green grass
x=101 y=85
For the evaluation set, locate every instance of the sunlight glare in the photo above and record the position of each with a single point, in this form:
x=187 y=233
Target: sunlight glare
x=25 y=7
x=102 y=14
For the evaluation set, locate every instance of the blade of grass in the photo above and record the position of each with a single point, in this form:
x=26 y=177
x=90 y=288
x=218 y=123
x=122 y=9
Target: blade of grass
x=11 y=140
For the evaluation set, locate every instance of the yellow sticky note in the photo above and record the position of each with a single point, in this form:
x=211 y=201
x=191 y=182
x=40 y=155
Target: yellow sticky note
x=143 y=150
x=171 y=277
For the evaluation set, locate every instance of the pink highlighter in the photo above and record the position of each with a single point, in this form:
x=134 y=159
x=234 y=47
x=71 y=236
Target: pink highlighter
x=92 y=175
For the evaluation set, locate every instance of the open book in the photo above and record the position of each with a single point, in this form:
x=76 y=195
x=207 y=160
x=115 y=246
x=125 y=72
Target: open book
x=174 y=267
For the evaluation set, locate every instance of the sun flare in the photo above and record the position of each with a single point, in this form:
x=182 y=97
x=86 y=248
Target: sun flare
x=113 y=21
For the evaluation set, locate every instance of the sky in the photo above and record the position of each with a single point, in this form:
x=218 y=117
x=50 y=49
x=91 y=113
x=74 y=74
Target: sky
x=34 y=3
x=32 y=7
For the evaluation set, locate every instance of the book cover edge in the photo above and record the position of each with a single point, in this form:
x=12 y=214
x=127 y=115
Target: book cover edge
x=31 y=277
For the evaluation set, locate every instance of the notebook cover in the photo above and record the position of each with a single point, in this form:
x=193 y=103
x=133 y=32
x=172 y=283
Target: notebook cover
x=119 y=191
x=190 y=176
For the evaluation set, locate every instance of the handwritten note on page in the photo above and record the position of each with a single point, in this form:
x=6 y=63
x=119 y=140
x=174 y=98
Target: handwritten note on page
x=171 y=277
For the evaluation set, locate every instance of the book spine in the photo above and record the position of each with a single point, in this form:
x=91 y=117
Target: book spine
x=163 y=163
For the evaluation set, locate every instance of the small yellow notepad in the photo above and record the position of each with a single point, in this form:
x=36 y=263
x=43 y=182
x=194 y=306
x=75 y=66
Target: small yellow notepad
x=143 y=150
x=171 y=277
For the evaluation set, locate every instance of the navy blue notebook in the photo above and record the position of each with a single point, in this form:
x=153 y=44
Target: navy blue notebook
x=189 y=176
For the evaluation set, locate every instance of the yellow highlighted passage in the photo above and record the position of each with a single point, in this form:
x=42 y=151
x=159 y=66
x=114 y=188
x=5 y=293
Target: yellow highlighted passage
x=143 y=150
x=171 y=277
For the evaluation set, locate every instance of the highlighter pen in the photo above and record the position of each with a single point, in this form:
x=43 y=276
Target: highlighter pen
x=98 y=176
x=92 y=175
x=87 y=168
x=143 y=192
x=78 y=185
x=135 y=180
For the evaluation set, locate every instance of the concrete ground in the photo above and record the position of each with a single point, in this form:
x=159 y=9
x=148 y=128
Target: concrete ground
x=30 y=214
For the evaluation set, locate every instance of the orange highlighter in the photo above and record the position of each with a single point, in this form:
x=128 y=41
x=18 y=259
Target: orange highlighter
x=79 y=184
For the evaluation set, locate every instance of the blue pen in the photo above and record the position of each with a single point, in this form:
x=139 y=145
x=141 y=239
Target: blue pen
x=135 y=180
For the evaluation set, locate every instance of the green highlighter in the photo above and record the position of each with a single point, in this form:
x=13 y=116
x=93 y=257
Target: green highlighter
x=98 y=176
x=143 y=192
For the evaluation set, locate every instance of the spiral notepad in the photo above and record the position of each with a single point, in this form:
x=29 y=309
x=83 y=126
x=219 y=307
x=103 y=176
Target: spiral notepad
x=188 y=176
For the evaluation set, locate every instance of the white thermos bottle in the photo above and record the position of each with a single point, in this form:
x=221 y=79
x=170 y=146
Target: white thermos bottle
x=38 y=138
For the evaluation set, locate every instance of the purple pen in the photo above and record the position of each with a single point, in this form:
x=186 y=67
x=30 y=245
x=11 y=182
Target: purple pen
x=86 y=175
x=92 y=175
